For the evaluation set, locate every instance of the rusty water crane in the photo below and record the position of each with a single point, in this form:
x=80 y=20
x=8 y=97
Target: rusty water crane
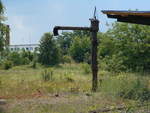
x=94 y=28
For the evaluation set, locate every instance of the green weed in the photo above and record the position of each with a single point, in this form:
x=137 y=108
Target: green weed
x=47 y=75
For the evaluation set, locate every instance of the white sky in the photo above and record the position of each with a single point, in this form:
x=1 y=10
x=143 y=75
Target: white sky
x=29 y=19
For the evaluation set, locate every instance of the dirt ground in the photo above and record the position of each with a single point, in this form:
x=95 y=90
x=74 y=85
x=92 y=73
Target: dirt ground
x=65 y=103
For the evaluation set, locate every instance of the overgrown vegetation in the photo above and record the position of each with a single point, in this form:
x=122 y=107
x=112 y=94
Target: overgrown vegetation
x=123 y=63
x=47 y=75
x=4 y=30
x=7 y=64
x=16 y=58
x=62 y=65
x=125 y=47
x=123 y=60
x=69 y=83
x=128 y=86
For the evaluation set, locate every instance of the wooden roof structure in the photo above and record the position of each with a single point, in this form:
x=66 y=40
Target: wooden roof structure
x=136 y=17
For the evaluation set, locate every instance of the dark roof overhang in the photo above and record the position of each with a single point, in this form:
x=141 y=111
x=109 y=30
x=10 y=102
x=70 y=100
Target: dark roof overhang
x=136 y=17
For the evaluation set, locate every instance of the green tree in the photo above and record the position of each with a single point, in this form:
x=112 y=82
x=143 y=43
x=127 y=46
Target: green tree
x=49 y=51
x=4 y=30
x=1 y=11
x=1 y=26
x=64 y=41
x=80 y=49
x=130 y=43
x=81 y=33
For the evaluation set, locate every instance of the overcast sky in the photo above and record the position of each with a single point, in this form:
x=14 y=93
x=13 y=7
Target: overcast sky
x=29 y=19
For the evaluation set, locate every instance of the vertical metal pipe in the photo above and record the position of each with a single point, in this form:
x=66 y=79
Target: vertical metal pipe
x=94 y=66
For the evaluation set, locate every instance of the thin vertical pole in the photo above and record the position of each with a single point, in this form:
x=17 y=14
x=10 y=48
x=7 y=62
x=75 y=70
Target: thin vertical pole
x=94 y=66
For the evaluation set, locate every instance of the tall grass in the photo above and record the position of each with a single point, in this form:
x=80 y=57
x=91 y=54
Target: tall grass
x=24 y=80
x=47 y=75
x=72 y=85
x=127 y=86
x=86 y=68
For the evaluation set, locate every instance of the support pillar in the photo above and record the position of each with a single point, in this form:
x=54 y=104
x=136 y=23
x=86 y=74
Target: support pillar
x=94 y=66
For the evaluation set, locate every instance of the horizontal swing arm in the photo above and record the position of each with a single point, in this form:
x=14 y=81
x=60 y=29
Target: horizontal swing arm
x=56 y=28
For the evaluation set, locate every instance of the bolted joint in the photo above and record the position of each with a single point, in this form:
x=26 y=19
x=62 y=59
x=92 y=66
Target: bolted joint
x=94 y=25
x=95 y=42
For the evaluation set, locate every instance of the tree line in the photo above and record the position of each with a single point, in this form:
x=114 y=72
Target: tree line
x=123 y=47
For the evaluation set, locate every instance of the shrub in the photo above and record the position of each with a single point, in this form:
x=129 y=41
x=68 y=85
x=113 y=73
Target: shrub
x=86 y=68
x=34 y=64
x=20 y=58
x=128 y=87
x=138 y=90
x=69 y=78
x=7 y=64
x=35 y=59
x=66 y=59
x=15 y=58
x=47 y=75
x=25 y=61
x=27 y=54
x=112 y=64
